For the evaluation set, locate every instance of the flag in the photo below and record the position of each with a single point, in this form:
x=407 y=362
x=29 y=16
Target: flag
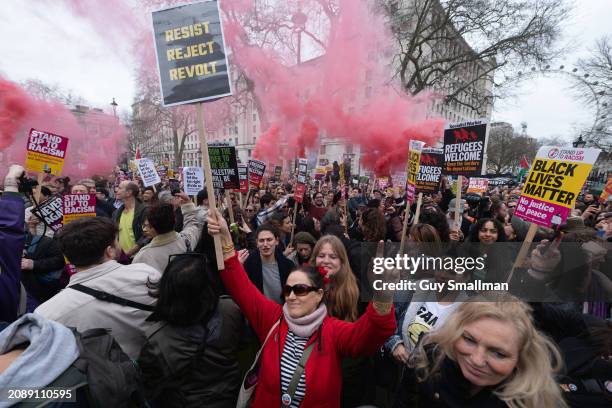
x=137 y=156
x=524 y=164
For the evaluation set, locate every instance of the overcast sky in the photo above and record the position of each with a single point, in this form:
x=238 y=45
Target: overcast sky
x=43 y=40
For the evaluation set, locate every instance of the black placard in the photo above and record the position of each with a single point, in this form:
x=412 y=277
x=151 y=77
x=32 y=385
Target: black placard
x=191 y=53
x=224 y=166
x=464 y=148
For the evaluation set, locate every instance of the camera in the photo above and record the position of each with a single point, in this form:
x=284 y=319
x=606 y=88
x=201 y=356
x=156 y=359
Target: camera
x=27 y=184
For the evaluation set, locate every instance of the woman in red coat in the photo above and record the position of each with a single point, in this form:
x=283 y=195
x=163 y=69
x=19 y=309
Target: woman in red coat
x=303 y=321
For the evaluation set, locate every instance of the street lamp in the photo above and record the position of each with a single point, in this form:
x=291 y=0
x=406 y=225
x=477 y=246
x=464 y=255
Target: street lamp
x=299 y=25
x=114 y=105
x=579 y=143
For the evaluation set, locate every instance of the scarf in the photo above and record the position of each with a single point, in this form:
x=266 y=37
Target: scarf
x=306 y=325
x=51 y=351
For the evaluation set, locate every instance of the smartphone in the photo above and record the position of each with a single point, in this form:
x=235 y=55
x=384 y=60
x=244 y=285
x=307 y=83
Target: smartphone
x=175 y=186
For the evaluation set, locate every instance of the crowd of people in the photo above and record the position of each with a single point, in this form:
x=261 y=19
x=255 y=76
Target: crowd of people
x=293 y=319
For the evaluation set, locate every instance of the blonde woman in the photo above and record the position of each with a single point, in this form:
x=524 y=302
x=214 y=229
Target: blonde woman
x=329 y=252
x=487 y=354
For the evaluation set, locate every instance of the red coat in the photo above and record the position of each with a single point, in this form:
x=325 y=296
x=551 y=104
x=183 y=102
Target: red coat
x=338 y=339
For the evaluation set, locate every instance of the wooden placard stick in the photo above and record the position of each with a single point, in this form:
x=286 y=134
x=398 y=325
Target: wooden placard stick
x=212 y=202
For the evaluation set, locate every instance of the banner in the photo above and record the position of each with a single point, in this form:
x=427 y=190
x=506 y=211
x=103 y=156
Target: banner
x=244 y=179
x=148 y=172
x=223 y=165
x=464 y=145
x=414 y=159
x=52 y=212
x=478 y=185
x=300 y=188
x=193 y=180
x=46 y=152
x=256 y=171
x=553 y=184
x=191 y=53
x=430 y=171
x=79 y=206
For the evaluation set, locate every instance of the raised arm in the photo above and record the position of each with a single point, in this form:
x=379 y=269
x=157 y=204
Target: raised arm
x=12 y=238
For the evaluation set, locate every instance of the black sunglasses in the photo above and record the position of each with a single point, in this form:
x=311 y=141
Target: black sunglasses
x=299 y=289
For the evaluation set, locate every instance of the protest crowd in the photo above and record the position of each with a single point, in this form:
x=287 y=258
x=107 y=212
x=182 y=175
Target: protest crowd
x=127 y=306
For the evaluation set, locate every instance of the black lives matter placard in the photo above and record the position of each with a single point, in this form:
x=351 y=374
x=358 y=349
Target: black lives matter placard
x=223 y=165
x=464 y=145
x=191 y=53
x=430 y=171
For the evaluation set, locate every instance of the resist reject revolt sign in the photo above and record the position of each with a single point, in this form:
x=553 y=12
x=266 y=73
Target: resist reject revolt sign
x=191 y=53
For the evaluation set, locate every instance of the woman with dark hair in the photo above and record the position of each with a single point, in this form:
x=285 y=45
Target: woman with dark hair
x=487 y=231
x=483 y=235
x=433 y=216
x=283 y=223
x=158 y=226
x=188 y=358
x=300 y=333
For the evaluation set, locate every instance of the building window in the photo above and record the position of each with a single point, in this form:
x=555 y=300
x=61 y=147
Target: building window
x=368 y=91
x=235 y=130
x=254 y=117
x=254 y=139
x=235 y=141
x=254 y=128
x=322 y=151
x=349 y=149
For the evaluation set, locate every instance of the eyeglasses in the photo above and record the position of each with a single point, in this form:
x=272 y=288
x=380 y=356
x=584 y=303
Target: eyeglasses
x=299 y=289
x=248 y=210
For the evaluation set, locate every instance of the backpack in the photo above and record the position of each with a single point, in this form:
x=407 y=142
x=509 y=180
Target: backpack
x=102 y=376
x=113 y=378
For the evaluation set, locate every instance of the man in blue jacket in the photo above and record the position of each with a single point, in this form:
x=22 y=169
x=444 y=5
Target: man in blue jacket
x=12 y=238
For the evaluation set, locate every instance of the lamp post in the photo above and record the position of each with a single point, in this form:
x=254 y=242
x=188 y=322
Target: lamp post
x=114 y=106
x=579 y=143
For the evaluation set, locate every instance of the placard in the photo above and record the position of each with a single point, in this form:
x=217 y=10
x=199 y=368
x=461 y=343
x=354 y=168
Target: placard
x=412 y=170
x=478 y=185
x=553 y=184
x=430 y=171
x=300 y=188
x=193 y=180
x=320 y=173
x=79 y=206
x=223 y=165
x=148 y=172
x=244 y=179
x=46 y=152
x=256 y=170
x=278 y=170
x=464 y=145
x=52 y=212
x=191 y=53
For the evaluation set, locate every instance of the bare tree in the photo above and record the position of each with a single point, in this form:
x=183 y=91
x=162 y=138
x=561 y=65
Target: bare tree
x=506 y=148
x=458 y=46
x=51 y=92
x=596 y=91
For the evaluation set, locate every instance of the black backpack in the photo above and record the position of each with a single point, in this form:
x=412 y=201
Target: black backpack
x=113 y=378
x=102 y=376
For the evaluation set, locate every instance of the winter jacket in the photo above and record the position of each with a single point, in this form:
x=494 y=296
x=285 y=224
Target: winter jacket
x=12 y=238
x=254 y=268
x=156 y=253
x=82 y=311
x=194 y=366
x=335 y=339
x=447 y=387
x=48 y=276
x=140 y=211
